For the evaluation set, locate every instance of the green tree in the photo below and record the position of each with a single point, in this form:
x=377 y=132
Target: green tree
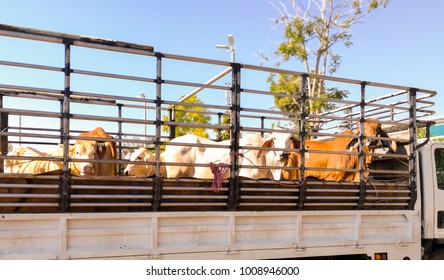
x=189 y=114
x=311 y=29
x=225 y=134
x=421 y=132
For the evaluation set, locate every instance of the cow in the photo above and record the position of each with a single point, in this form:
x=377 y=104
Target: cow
x=106 y=150
x=253 y=157
x=279 y=144
x=258 y=163
x=143 y=170
x=12 y=165
x=347 y=141
x=194 y=159
x=83 y=150
x=374 y=129
x=294 y=160
x=335 y=161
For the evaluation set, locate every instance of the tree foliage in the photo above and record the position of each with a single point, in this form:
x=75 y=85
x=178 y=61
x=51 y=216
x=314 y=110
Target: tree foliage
x=190 y=114
x=225 y=134
x=311 y=29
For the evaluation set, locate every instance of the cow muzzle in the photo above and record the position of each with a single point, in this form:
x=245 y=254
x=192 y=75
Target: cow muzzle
x=373 y=144
x=86 y=169
x=127 y=171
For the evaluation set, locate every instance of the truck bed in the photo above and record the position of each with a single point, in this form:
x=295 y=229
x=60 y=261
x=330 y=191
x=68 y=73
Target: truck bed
x=209 y=235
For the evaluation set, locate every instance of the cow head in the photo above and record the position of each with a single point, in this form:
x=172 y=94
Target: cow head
x=85 y=150
x=283 y=142
x=374 y=129
x=141 y=170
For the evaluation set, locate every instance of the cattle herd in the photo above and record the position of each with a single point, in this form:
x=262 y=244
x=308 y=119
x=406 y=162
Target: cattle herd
x=276 y=157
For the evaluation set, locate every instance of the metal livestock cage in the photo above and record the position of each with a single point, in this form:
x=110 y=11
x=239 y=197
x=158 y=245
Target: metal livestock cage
x=54 y=86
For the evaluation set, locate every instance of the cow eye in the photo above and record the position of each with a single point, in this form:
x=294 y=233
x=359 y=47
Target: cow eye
x=139 y=157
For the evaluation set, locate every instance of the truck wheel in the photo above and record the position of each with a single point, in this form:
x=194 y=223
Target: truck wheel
x=437 y=254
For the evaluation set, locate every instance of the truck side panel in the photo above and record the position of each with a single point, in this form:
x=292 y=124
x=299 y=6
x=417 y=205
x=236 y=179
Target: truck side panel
x=214 y=235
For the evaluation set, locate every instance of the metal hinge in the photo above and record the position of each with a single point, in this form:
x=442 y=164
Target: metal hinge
x=299 y=248
x=359 y=246
x=154 y=255
x=233 y=252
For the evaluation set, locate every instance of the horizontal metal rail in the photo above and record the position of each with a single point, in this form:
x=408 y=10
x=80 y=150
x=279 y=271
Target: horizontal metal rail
x=151 y=122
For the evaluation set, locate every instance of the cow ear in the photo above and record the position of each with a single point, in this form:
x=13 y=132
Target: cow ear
x=267 y=143
x=71 y=148
x=352 y=144
x=101 y=149
x=296 y=144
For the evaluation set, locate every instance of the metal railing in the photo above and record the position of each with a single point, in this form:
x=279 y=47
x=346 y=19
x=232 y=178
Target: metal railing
x=68 y=110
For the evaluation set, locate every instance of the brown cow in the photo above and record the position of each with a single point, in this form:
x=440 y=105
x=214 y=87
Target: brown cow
x=106 y=150
x=339 y=163
x=374 y=129
x=334 y=161
x=281 y=141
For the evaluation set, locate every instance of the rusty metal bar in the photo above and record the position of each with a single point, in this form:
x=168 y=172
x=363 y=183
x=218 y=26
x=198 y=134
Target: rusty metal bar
x=65 y=177
x=412 y=148
x=361 y=156
x=4 y=124
x=235 y=128
x=57 y=37
x=302 y=137
x=157 y=193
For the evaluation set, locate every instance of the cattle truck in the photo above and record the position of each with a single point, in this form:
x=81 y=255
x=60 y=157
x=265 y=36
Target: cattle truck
x=55 y=86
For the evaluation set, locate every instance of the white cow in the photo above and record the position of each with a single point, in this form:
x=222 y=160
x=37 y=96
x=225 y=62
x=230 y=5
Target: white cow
x=143 y=170
x=253 y=157
x=195 y=153
x=258 y=163
x=83 y=150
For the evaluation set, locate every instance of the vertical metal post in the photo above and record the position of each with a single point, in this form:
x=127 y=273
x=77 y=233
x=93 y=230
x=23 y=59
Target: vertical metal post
x=172 y=113
x=219 y=122
x=361 y=156
x=119 y=135
x=412 y=147
x=3 y=139
x=234 y=186
x=157 y=189
x=303 y=135
x=262 y=125
x=65 y=177
x=61 y=121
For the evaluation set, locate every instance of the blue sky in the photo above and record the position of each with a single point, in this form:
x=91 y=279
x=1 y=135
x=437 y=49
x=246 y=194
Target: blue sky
x=402 y=44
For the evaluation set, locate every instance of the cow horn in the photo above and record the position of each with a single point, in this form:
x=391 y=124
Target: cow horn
x=388 y=143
